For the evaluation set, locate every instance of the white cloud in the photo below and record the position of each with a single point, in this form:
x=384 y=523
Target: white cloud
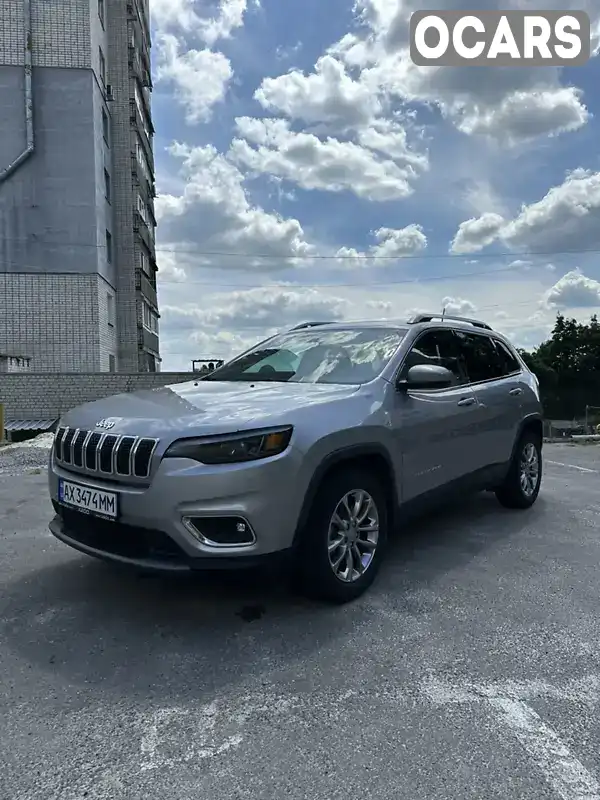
x=259 y=309
x=213 y=214
x=526 y=115
x=221 y=20
x=511 y=106
x=574 y=290
x=327 y=95
x=459 y=306
x=170 y=268
x=390 y=138
x=391 y=244
x=226 y=324
x=269 y=146
x=200 y=77
x=567 y=217
x=477 y=233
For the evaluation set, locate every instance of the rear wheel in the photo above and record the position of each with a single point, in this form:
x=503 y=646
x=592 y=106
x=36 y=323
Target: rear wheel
x=343 y=543
x=522 y=483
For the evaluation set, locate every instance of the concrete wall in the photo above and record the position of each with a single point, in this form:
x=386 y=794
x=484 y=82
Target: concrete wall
x=44 y=396
x=54 y=215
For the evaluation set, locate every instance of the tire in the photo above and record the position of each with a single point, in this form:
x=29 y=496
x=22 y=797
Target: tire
x=315 y=574
x=517 y=492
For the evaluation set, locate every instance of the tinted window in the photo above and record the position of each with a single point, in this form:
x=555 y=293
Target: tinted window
x=317 y=355
x=439 y=348
x=482 y=360
x=507 y=359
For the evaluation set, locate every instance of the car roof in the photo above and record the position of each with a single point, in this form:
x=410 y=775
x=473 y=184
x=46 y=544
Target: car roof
x=401 y=325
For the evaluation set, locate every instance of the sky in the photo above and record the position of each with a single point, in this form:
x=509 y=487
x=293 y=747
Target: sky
x=308 y=170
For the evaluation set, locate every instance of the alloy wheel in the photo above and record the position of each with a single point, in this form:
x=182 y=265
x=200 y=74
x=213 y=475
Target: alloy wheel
x=353 y=535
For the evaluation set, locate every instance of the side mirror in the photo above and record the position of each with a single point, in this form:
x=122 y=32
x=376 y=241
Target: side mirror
x=427 y=376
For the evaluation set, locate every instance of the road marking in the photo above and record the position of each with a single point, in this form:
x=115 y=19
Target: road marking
x=561 y=769
x=585 y=690
x=200 y=744
x=565 y=773
x=570 y=466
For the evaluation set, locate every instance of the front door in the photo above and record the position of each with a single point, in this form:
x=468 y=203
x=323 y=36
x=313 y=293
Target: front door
x=435 y=429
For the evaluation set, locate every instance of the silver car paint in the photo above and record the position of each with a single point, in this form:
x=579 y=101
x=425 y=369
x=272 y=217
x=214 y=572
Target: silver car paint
x=429 y=438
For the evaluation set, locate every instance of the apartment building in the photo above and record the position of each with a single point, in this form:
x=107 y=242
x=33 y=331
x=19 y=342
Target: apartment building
x=77 y=225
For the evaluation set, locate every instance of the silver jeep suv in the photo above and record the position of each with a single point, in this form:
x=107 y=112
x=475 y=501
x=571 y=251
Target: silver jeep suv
x=310 y=446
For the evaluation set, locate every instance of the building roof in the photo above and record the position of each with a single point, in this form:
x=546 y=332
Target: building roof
x=30 y=424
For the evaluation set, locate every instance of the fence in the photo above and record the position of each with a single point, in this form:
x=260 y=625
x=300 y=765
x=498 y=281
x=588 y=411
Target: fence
x=45 y=396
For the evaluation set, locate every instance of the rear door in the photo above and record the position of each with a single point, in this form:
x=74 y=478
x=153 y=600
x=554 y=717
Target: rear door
x=435 y=429
x=495 y=377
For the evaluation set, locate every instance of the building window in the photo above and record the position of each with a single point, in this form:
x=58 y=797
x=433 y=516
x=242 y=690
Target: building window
x=150 y=318
x=105 y=127
x=101 y=11
x=143 y=161
x=109 y=249
x=142 y=209
x=145 y=263
x=110 y=309
x=107 y=185
x=102 y=62
x=111 y=363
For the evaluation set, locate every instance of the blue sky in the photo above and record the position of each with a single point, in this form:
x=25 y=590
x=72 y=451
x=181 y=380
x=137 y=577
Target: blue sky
x=307 y=169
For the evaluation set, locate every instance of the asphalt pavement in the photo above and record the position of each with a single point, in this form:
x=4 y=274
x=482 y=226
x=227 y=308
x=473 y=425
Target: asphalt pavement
x=470 y=671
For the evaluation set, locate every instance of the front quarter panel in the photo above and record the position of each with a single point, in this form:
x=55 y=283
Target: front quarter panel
x=360 y=425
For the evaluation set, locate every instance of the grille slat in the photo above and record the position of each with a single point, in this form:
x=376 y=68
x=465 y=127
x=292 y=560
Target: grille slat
x=58 y=439
x=91 y=452
x=123 y=459
x=66 y=447
x=107 y=454
x=78 y=443
x=143 y=456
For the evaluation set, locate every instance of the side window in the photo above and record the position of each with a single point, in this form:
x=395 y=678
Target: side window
x=481 y=359
x=508 y=360
x=439 y=348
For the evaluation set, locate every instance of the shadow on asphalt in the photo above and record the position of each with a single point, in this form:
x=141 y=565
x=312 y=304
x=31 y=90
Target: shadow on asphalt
x=100 y=626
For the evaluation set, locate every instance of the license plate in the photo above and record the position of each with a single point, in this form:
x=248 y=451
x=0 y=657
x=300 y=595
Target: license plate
x=88 y=500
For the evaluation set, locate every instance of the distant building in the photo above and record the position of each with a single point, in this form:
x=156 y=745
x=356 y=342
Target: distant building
x=77 y=226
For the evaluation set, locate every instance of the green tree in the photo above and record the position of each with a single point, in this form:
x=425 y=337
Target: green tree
x=567 y=366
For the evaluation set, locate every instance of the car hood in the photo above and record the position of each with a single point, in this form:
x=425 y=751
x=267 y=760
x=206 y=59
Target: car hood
x=203 y=408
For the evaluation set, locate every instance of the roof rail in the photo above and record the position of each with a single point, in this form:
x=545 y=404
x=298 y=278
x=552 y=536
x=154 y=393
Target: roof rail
x=429 y=317
x=308 y=325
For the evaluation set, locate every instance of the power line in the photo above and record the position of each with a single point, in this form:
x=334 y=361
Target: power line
x=300 y=286
x=320 y=257
x=356 y=285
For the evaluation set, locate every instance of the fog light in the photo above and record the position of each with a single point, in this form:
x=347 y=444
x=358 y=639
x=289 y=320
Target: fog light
x=221 y=531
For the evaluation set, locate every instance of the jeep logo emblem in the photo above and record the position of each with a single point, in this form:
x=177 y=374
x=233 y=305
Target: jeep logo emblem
x=106 y=424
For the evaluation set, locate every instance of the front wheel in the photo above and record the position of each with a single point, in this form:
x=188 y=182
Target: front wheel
x=522 y=483
x=343 y=543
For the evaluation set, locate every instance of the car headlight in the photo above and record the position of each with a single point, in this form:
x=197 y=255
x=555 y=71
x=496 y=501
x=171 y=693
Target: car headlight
x=232 y=449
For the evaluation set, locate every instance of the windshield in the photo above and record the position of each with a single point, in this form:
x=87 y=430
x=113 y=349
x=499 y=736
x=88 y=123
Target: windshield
x=346 y=356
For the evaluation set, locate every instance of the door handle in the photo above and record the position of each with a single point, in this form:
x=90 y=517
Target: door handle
x=515 y=392
x=467 y=401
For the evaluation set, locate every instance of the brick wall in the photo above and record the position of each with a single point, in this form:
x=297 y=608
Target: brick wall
x=46 y=396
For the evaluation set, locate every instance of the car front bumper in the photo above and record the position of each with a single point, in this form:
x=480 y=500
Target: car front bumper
x=153 y=528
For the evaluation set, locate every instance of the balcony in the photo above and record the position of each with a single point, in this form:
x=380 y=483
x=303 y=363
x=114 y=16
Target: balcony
x=144 y=285
x=135 y=62
x=140 y=181
x=147 y=340
x=144 y=132
x=143 y=232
